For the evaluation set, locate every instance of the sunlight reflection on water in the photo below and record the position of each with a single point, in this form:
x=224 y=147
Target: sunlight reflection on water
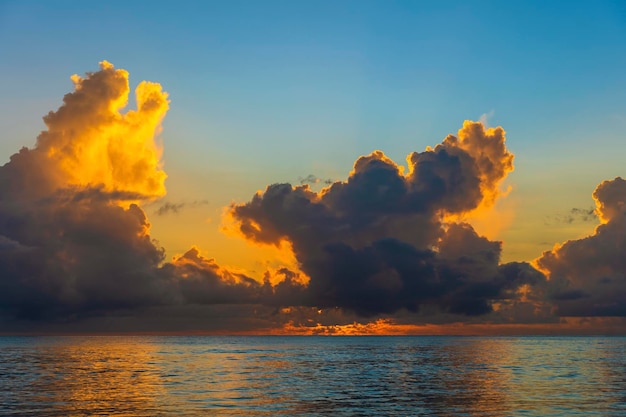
x=451 y=376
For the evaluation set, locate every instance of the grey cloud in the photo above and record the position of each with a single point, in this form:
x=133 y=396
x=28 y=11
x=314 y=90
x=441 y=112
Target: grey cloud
x=588 y=275
x=312 y=179
x=381 y=242
x=375 y=243
x=175 y=208
x=575 y=215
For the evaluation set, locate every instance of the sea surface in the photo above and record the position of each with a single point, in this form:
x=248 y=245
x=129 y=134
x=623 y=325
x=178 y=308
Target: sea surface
x=313 y=376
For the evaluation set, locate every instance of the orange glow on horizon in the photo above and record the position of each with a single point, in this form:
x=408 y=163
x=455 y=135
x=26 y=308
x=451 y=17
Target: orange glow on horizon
x=387 y=327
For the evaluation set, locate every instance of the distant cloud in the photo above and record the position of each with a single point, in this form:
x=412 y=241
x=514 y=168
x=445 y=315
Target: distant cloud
x=175 y=208
x=484 y=118
x=312 y=179
x=575 y=215
x=168 y=207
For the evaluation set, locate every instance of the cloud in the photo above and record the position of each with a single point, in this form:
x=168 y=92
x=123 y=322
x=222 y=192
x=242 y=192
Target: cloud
x=575 y=215
x=175 y=208
x=88 y=142
x=376 y=243
x=82 y=257
x=588 y=276
x=386 y=245
x=484 y=118
x=312 y=179
x=168 y=207
x=201 y=280
x=74 y=240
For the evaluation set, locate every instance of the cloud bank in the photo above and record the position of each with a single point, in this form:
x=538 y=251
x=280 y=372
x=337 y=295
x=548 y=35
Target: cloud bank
x=385 y=245
x=74 y=241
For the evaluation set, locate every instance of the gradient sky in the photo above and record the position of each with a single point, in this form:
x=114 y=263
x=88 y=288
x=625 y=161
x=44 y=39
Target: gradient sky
x=274 y=91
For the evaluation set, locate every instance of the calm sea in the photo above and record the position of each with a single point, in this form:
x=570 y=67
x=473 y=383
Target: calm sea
x=338 y=376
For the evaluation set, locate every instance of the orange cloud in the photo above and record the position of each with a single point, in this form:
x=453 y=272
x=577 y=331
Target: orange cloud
x=386 y=251
x=494 y=162
x=76 y=241
x=90 y=142
x=389 y=327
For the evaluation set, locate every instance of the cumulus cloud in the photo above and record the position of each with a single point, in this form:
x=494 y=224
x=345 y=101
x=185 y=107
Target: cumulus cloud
x=377 y=242
x=388 y=241
x=588 y=276
x=88 y=142
x=74 y=240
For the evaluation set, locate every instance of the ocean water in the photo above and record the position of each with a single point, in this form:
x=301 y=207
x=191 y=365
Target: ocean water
x=314 y=376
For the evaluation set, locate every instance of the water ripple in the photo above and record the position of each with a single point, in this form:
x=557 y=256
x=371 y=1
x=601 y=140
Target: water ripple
x=314 y=376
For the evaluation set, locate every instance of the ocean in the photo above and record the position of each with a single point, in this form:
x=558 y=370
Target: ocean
x=312 y=376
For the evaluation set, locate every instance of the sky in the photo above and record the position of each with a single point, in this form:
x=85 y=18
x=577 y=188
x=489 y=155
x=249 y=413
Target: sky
x=312 y=167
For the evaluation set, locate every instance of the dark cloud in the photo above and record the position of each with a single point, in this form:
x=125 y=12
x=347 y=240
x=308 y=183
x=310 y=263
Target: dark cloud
x=175 y=208
x=588 y=276
x=312 y=179
x=76 y=257
x=575 y=215
x=75 y=244
x=168 y=207
x=376 y=243
x=203 y=281
x=200 y=280
x=584 y=215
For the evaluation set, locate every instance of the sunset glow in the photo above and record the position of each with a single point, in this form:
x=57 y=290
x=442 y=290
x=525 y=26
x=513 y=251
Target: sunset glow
x=368 y=178
x=380 y=243
x=94 y=145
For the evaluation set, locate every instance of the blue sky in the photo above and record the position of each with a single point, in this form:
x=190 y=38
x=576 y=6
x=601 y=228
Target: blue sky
x=265 y=92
